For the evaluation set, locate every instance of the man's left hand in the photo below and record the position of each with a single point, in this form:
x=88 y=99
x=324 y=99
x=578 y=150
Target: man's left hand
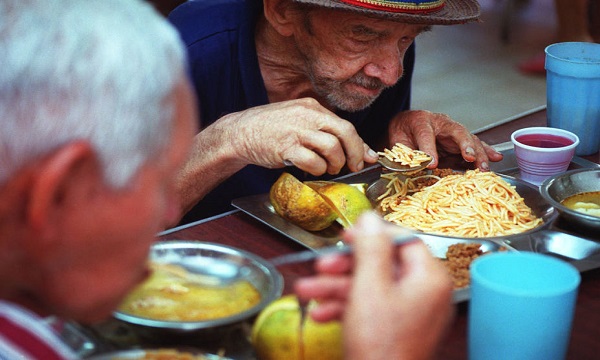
x=434 y=132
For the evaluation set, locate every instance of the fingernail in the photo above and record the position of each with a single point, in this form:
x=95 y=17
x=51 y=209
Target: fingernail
x=485 y=166
x=360 y=165
x=432 y=159
x=372 y=153
x=470 y=151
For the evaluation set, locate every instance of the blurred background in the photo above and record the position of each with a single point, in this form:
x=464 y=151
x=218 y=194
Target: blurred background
x=470 y=72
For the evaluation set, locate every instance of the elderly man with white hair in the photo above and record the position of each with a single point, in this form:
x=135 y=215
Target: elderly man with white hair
x=97 y=118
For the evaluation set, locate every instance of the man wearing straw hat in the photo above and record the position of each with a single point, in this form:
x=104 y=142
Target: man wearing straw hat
x=316 y=84
x=90 y=141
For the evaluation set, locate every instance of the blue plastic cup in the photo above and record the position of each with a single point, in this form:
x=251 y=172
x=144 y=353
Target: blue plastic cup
x=573 y=92
x=521 y=306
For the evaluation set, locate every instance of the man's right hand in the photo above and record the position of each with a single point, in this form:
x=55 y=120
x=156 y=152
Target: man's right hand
x=395 y=302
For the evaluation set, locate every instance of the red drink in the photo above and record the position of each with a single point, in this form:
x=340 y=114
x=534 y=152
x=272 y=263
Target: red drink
x=544 y=140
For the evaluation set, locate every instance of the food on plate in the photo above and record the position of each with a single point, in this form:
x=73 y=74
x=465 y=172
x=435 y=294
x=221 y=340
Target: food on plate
x=400 y=185
x=473 y=204
x=315 y=205
x=404 y=155
x=300 y=204
x=160 y=354
x=172 y=293
x=347 y=200
x=278 y=333
x=587 y=203
x=458 y=261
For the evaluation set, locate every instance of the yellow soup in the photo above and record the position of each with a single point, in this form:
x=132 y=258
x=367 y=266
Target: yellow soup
x=587 y=203
x=172 y=296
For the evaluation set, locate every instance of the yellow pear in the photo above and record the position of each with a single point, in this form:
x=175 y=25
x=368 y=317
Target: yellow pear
x=300 y=204
x=278 y=334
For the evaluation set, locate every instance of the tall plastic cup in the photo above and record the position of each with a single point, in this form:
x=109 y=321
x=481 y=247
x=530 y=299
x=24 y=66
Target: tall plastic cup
x=522 y=306
x=573 y=92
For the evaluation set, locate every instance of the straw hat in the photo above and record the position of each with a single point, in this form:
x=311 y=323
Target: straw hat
x=429 y=12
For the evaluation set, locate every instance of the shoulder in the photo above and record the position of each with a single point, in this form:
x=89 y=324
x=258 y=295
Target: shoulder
x=200 y=19
x=24 y=335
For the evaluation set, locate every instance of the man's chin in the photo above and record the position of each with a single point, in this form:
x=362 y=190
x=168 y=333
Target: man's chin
x=352 y=104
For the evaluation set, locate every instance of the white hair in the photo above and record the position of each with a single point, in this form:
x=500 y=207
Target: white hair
x=101 y=71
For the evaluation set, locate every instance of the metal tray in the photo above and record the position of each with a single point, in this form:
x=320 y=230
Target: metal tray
x=554 y=238
x=260 y=208
x=439 y=246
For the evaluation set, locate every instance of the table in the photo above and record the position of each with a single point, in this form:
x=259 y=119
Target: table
x=242 y=231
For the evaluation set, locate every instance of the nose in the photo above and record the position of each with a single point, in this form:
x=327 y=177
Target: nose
x=386 y=65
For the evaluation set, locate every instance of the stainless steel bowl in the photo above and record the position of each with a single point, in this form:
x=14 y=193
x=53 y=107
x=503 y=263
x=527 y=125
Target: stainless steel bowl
x=560 y=187
x=141 y=354
x=217 y=261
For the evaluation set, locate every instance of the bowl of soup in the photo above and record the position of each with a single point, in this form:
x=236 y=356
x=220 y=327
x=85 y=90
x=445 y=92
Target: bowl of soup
x=575 y=194
x=198 y=288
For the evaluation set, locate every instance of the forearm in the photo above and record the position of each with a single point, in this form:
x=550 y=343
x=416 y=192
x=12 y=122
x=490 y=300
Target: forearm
x=212 y=160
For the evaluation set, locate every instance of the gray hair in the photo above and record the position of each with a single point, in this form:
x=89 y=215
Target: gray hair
x=101 y=71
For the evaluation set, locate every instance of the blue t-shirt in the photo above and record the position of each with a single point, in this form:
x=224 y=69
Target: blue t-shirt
x=223 y=66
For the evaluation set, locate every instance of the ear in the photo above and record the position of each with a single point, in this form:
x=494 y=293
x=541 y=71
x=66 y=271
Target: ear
x=67 y=177
x=280 y=14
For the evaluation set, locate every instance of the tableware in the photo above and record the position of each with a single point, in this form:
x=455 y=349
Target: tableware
x=171 y=354
x=259 y=207
x=573 y=91
x=582 y=253
x=529 y=193
x=73 y=335
x=559 y=187
x=438 y=246
x=214 y=260
x=522 y=306
x=398 y=167
x=341 y=248
x=542 y=152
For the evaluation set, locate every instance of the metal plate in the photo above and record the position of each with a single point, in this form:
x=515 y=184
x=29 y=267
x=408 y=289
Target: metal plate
x=439 y=246
x=159 y=354
x=260 y=208
x=215 y=261
x=540 y=207
x=567 y=184
x=552 y=238
x=583 y=253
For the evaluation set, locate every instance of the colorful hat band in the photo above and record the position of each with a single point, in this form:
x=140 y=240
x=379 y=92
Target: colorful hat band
x=406 y=6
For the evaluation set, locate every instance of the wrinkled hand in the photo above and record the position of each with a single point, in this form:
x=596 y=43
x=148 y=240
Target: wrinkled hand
x=434 y=132
x=396 y=305
x=298 y=131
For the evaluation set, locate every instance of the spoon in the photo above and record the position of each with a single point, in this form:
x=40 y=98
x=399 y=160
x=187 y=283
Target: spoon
x=398 y=167
x=308 y=255
x=192 y=273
